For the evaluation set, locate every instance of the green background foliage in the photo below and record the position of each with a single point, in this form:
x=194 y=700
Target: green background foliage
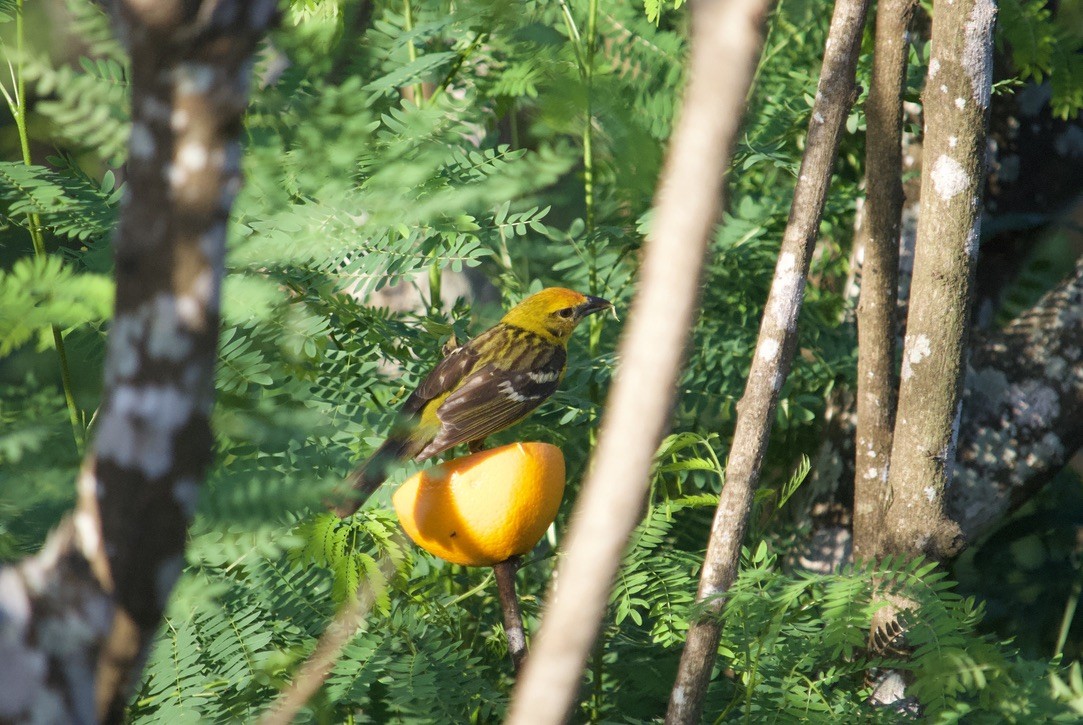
x=530 y=161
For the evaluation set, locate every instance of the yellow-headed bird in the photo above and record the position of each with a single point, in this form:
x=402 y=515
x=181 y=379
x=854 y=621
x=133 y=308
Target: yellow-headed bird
x=482 y=387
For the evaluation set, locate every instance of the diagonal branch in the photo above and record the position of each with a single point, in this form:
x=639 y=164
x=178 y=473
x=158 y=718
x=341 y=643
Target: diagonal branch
x=1023 y=409
x=774 y=355
x=315 y=670
x=726 y=39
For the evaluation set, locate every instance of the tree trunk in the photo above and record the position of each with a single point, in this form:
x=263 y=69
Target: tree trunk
x=774 y=355
x=879 y=237
x=1032 y=179
x=77 y=619
x=1022 y=420
x=956 y=112
x=1022 y=409
x=726 y=40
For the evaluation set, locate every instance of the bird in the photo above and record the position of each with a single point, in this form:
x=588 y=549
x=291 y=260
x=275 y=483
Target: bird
x=481 y=387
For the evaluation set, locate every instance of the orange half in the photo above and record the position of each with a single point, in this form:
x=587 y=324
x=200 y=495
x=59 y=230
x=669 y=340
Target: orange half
x=481 y=509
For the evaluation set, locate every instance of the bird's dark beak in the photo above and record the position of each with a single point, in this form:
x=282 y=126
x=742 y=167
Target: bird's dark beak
x=592 y=305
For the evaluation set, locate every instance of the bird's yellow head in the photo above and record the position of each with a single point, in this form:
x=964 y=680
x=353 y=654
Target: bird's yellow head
x=554 y=312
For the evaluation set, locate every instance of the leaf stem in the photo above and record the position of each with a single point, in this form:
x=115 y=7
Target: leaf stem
x=458 y=64
x=436 y=283
x=17 y=105
x=1069 y=614
x=587 y=72
x=411 y=50
x=474 y=590
x=573 y=33
x=588 y=127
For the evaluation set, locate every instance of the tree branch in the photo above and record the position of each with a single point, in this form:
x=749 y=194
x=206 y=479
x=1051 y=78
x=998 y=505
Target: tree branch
x=513 y=617
x=879 y=238
x=81 y=615
x=774 y=355
x=726 y=39
x=315 y=670
x=956 y=110
x=1022 y=409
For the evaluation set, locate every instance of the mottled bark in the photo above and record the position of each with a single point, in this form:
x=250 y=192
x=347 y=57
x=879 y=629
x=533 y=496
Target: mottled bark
x=956 y=111
x=1036 y=170
x=774 y=356
x=726 y=40
x=77 y=620
x=1022 y=409
x=879 y=237
x=1021 y=422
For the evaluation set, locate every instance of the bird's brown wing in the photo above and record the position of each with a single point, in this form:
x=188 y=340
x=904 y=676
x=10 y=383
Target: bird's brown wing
x=403 y=443
x=491 y=398
x=443 y=378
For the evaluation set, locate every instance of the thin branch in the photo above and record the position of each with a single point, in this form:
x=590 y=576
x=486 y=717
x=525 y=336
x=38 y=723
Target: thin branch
x=726 y=40
x=513 y=618
x=315 y=670
x=774 y=355
x=879 y=238
x=417 y=90
x=588 y=143
x=17 y=106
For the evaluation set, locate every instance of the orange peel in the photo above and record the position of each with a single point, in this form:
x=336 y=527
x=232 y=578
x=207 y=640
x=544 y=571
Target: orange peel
x=484 y=508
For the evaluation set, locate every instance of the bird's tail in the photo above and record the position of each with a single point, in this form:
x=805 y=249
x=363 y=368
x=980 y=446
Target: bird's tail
x=368 y=477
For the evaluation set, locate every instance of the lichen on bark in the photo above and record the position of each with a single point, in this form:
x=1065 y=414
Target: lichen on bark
x=956 y=100
x=77 y=619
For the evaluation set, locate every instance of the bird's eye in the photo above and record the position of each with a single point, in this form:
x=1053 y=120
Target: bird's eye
x=566 y=313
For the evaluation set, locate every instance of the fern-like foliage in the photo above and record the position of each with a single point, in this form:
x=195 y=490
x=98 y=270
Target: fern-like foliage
x=795 y=644
x=70 y=205
x=1046 y=46
x=86 y=102
x=8 y=9
x=43 y=291
x=432 y=141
